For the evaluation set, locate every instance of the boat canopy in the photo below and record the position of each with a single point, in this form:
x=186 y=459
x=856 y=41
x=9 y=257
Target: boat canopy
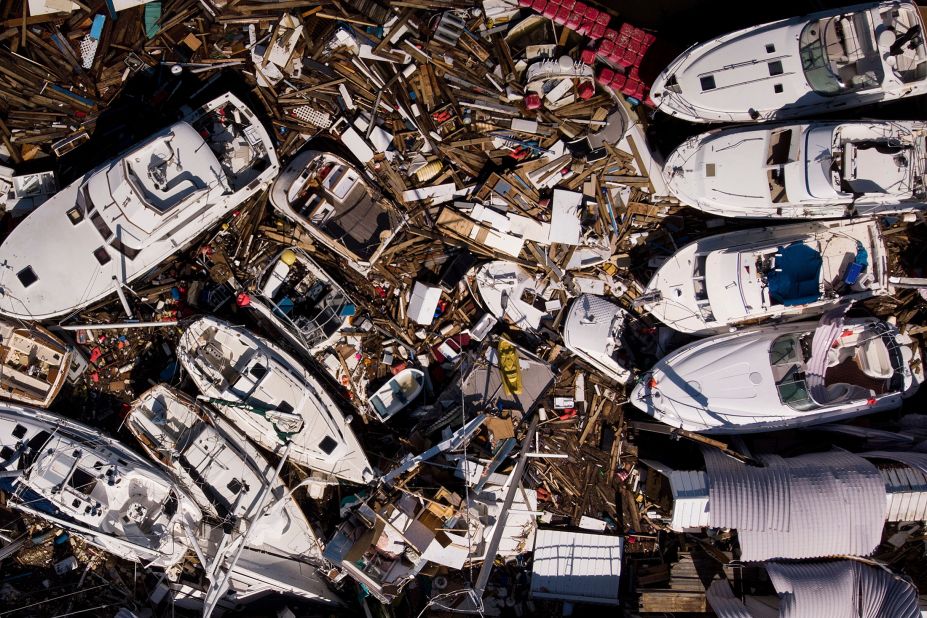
x=795 y=279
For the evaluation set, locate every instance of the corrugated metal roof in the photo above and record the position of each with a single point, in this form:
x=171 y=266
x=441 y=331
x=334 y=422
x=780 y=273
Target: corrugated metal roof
x=841 y=588
x=787 y=509
x=906 y=490
x=832 y=589
x=576 y=566
x=690 y=499
x=724 y=603
x=909 y=458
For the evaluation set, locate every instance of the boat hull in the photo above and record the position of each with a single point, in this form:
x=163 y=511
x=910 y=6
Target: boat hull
x=727 y=385
x=325 y=442
x=756 y=75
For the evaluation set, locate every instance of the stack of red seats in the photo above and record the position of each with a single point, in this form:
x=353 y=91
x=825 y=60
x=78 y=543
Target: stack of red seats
x=577 y=16
x=623 y=50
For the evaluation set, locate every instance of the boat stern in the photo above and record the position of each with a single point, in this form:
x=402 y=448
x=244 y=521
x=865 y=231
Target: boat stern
x=231 y=129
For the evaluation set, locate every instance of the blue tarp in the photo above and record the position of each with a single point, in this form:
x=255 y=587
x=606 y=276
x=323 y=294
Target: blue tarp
x=795 y=277
x=858 y=266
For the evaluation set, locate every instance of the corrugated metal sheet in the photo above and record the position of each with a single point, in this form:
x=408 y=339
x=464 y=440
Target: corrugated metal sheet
x=787 y=509
x=576 y=566
x=690 y=499
x=906 y=490
x=909 y=458
x=841 y=589
x=724 y=603
x=832 y=589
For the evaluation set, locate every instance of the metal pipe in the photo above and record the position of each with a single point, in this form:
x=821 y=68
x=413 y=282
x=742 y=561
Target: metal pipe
x=117 y=325
x=515 y=482
x=122 y=298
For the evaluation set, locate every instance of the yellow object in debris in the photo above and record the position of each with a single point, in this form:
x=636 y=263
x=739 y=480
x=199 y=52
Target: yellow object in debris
x=288 y=257
x=428 y=171
x=509 y=369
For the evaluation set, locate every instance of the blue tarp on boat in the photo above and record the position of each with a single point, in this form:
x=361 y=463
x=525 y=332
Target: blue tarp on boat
x=795 y=278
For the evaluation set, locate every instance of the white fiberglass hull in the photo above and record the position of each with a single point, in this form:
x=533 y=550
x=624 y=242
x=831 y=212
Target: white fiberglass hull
x=397 y=393
x=124 y=505
x=759 y=73
x=173 y=431
x=99 y=232
x=816 y=170
x=592 y=331
x=333 y=200
x=728 y=384
x=713 y=285
x=265 y=380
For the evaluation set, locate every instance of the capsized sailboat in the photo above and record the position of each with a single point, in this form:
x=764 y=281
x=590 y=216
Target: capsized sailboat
x=271 y=398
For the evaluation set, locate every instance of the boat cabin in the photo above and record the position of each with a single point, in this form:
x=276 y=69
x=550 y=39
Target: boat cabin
x=332 y=197
x=841 y=53
x=865 y=362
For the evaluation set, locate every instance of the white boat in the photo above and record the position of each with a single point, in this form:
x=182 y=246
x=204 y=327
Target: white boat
x=220 y=469
x=300 y=300
x=123 y=218
x=256 y=577
x=805 y=171
x=769 y=377
x=832 y=60
x=511 y=292
x=594 y=330
x=226 y=475
x=34 y=364
x=784 y=272
x=271 y=398
x=397 y=393
x=334 y=201
x=91 y=485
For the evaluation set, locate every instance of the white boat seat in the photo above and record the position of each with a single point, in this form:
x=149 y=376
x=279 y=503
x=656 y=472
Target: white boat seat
x=850 y=43
x=872 y=357
x=835 y=356
x=276 y=279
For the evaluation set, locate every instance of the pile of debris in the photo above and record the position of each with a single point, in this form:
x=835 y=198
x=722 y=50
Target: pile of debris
x=375 y=297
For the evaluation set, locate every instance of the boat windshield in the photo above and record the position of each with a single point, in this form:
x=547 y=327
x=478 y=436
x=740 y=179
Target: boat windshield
x=838 y=54
x=787 y=360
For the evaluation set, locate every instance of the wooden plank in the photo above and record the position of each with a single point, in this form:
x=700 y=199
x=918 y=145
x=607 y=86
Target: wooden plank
x=673 y=601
